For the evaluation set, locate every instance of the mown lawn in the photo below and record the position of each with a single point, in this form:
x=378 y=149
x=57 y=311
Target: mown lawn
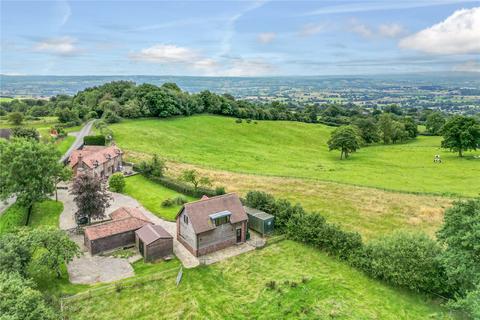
x=236 y=289
x=151 y=195
x=295 y=149
x=45 y=213
x=65 y=143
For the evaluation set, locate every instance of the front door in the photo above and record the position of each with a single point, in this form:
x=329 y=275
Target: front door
x=239 y=235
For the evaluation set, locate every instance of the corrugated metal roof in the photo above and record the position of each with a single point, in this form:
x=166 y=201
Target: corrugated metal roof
x=258 y=213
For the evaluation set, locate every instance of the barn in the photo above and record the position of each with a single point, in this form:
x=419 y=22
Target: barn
x=153 y=242
x=118 y=232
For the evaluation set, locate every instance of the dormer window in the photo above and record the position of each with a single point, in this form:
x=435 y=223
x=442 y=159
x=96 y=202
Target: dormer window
x=185 y=219
x=221 y=217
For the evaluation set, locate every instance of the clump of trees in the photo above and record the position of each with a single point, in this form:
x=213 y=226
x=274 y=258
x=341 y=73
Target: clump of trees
x=155 y=167
x=25 y=250
x=26 y=132
x=29 y=170
x=193 y=177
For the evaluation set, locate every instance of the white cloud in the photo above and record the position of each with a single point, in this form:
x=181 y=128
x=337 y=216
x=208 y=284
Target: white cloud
x=392 y=30
x=311 y=29
x=458 y=34
x=266 y=37
x=248 y=68
x=190 y=60
x=361 y=29
x=469 y=66
x=64 y=46
x=166 y=53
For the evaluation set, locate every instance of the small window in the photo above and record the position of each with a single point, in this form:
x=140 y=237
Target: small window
x=185 y=219
x=222 y=220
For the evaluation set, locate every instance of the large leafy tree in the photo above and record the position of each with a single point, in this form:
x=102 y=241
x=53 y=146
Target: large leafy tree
x=28 y=170
x=15 y=254
x=19 y=300
x=25 y=132
x=435 y=122
x=90 y=196
x=368 y=130
x=460 y=134
x=385 y=124
x=345 y=139
x=52 y=248
x=460 y=234
x=193 y=177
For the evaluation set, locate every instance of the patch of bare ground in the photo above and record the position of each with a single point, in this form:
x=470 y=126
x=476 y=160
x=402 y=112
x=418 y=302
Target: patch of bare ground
x=372 y=212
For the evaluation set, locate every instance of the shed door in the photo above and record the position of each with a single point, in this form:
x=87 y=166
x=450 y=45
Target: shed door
x=140 y=247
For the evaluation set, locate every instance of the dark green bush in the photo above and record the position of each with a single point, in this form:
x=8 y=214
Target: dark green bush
x=404 y=259
x=239 y=121
x=167 y=203
x=183 y=188
x=25 y=132
x=98 y=140
x=219 y=191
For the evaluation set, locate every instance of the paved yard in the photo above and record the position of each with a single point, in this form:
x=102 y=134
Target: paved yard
x=92 y=269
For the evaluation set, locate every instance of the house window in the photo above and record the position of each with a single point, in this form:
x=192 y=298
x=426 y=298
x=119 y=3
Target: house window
x=185 y=219
x=222 y=220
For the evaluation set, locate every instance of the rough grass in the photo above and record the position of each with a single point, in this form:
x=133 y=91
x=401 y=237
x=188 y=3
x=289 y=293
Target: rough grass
x=14 y=216
x=293 y=149
x=151 y=196
x=371 y=212
x=236 y=289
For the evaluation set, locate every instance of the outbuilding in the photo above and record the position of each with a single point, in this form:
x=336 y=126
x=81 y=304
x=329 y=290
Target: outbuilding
x=153 y=242
x=260 y=221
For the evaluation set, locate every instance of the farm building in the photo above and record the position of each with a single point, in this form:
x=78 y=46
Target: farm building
x=117 y=233
x=153 y=242
x=260 y=221
x=211 y=224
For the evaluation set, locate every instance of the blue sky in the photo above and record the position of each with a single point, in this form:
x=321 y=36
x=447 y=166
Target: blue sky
x=238 y=38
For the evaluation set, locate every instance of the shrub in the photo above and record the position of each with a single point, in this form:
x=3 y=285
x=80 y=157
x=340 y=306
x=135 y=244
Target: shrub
x=111 y=117
x=155 y=167
x=179 y=200
x=98 y=140
x=27 y=133
x=167 y=203
x=249 y=120
x=271 y=285
x=183 y=188
x=239 y=121
x=404 y=259
x=219 y=191
x=116 y=183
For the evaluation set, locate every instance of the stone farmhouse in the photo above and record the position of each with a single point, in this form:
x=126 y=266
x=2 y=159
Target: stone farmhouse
x=211 y=224
x=100 y=161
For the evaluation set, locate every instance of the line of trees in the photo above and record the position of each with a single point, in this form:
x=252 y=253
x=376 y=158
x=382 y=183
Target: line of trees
x=449 y=266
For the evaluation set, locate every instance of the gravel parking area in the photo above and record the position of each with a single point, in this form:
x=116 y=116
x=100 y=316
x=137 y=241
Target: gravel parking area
x=92 y=269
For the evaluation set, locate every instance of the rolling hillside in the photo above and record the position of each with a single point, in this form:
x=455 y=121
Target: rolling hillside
x=292 y=149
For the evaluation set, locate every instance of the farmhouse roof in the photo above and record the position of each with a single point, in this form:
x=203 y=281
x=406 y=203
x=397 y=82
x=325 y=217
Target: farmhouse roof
x=94 y=155
x=123 y=220
x=199 y=212
x=150 y=233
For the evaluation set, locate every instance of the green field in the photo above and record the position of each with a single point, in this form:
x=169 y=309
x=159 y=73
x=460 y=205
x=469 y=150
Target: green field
x=45 y=213
x=151 y=195
x=236 y=289
x=293 y=149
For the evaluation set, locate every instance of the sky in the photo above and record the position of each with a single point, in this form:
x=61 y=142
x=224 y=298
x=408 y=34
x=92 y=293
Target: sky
x=238 y=38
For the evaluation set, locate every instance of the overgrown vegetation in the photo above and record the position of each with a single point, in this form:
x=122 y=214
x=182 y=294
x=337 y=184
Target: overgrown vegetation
x=410 y=260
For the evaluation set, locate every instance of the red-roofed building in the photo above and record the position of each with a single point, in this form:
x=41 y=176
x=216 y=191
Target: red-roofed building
x=116 y=233
x=97 y=160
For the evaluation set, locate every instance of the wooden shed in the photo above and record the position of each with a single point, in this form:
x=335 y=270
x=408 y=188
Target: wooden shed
x=153 y=242
x=260 y=221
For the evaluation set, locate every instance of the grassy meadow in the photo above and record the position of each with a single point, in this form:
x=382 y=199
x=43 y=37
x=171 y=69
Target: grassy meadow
x=293 y=149
x=151 y=195
x=236 y=289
